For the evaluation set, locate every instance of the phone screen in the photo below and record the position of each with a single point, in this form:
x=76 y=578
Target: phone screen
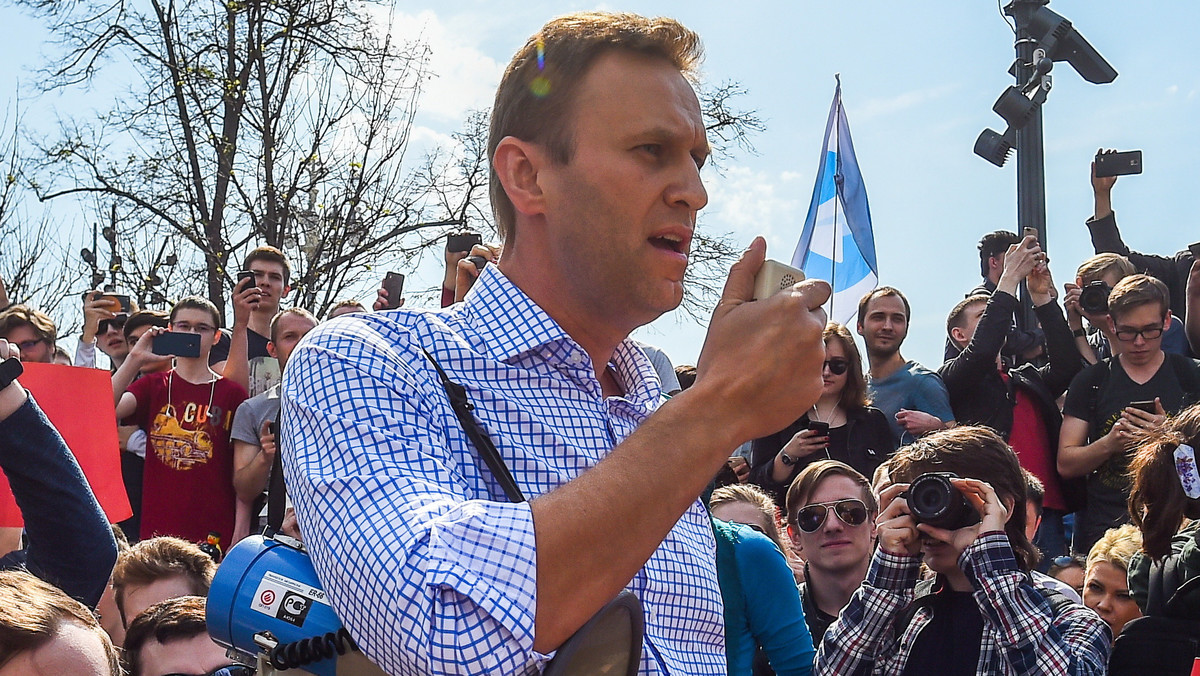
x=177 y=344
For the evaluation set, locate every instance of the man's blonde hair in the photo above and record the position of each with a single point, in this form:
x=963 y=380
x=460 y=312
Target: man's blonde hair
x=1101 y=264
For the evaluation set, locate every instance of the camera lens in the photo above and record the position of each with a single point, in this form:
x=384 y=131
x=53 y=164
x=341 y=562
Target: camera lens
x=932 y=499
x=1094 y=297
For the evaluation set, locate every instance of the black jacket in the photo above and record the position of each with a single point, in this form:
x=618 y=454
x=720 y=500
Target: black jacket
x=869 y=442
x=980 y=396
x=1173 y=272
x=70 y=542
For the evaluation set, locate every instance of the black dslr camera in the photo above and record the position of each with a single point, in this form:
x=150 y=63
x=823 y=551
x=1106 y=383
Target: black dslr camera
x=1094 y=297
x=932 y=499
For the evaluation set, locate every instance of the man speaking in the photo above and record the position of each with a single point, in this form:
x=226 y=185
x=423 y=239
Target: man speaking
x=596 y=145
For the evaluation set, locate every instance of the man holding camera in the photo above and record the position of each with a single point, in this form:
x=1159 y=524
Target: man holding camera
x=1110 y=403
x=1020 y=403
x=596 y=144
x=187 y=413
x=982 y=613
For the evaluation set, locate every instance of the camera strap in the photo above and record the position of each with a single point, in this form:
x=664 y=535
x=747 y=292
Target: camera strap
x=611 y=641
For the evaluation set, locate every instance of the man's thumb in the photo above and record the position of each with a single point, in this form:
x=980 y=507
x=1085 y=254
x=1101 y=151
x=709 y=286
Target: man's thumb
x=739 y=287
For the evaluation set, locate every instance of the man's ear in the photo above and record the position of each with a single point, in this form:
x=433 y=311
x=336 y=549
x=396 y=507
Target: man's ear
x=796 y=544
x=271 y=349
x=286 y=290
x=517 y=164
x=959 y=336
x=1167 y=320
x=1009 y=503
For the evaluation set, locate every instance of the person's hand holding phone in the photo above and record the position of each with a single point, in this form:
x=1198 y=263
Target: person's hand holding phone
x=1143 y=416
x=246 y=297
x=469 y=271
x=96 y=308
x=142 y=353
x=266 y=441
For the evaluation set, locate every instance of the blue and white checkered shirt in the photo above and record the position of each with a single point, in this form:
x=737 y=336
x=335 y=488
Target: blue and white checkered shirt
x=429 y=566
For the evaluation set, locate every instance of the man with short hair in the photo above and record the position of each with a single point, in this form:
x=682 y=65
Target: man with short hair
x=1019 y=403
x=158 y=569
x=981 y=614
x=186 y=412
x=272 y=275
x=911 y=396
x=1101 y=422
x=831 y=524
x=44 y=632
x=253 y=442
x=32 y=331
x=171 y=638
x=595 y=152
x=1022 y=343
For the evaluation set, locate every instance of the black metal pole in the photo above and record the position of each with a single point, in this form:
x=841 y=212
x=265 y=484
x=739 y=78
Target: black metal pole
x=1031 y=172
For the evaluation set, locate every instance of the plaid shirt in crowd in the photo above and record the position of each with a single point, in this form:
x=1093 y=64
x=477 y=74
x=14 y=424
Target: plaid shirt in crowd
x=1021 y=633
x=423 y=558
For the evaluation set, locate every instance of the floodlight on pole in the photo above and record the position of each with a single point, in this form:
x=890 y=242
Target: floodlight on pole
x=1042 y=38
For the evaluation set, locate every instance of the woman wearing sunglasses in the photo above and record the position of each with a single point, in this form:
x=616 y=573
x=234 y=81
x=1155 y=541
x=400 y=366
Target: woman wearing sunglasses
x=857 y=434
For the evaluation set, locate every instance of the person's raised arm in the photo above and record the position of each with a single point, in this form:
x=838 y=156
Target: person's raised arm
x=139 y=356
x=4 y=302
x=236 y=368
x=1192 y=322
x=252 y=462
x=70 y=542
x=1062 y=355
x=759 y=369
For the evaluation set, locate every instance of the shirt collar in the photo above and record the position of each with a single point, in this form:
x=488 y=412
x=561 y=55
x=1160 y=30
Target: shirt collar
x=490 y=308
x=494 y=301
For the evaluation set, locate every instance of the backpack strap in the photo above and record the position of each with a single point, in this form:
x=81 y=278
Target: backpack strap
x=482 y=442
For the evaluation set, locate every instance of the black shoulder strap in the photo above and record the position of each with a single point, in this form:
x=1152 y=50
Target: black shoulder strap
x=483 y=443
x=276 y=492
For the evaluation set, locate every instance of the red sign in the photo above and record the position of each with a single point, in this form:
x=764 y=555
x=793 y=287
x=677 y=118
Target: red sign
x=79 y=402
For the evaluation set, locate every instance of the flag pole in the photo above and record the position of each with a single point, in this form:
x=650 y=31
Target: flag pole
x=837 y=193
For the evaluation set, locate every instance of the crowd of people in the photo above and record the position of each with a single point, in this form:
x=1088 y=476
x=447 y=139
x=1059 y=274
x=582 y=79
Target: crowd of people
x=474 y=482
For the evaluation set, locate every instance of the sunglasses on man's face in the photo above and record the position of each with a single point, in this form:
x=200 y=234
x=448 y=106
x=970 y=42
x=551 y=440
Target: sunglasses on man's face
x=837 y=366
x=852 y=512
x=116 y=323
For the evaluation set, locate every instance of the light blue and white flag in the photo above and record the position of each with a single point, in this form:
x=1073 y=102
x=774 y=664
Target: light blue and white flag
x=837 y=244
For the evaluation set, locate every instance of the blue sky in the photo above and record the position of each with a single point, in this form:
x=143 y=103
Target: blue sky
x=919 y=80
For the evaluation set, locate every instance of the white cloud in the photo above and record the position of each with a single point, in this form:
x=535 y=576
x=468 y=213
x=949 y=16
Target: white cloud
x=463 y=76
x=1172 y=90
x=880 y=107
x=748 y=203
